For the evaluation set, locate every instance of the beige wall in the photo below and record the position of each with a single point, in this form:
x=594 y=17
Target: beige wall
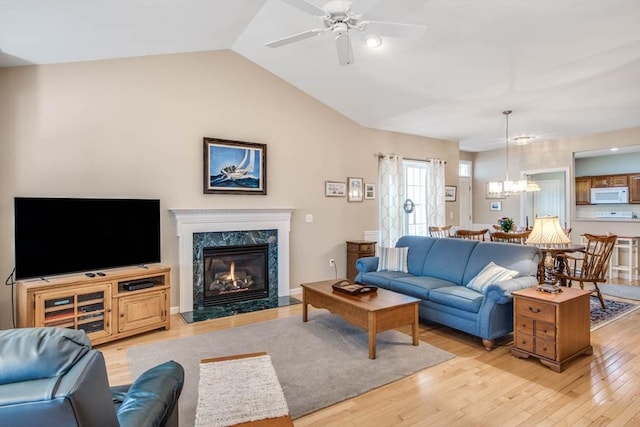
x=490 y=165
x=134 y=127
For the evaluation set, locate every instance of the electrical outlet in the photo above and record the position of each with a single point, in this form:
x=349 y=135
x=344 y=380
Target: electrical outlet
x=332 y=262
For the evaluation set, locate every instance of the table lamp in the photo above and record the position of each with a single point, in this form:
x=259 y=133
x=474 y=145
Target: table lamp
x=547 y=233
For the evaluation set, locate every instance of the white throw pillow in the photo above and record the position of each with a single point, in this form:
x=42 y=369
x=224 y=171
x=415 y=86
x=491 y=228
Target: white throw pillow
x=393 y=259
x=491 y=273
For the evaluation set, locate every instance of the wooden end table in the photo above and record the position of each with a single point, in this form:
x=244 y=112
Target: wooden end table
x=554 y=327
x=374 y=312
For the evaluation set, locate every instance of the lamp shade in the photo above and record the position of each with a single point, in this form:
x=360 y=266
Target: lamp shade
x=547 y=231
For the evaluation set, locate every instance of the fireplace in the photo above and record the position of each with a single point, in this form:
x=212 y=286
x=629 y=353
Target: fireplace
x=235 y=273
x=200 y=228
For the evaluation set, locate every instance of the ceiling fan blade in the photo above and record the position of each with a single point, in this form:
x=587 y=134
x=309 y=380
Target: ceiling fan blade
x=392 y=29
x=305 y=6
x=345 y=53
x=296 y=37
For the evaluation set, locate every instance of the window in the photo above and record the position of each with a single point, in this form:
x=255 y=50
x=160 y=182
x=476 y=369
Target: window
x=464 y=168
x=415 y=178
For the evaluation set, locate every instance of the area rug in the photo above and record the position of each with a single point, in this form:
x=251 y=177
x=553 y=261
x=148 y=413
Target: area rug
x=621 y=291
x=613 y=311
x=239 y=390
x=318 y=363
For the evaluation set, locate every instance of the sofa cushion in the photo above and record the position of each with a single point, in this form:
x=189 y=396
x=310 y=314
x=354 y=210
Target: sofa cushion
x=420 y=247
x=491 y=273
x=393 y=259
x=381 y=278
x=522 y=258
x=447 y=259
x=417 y=286
x=459 y=297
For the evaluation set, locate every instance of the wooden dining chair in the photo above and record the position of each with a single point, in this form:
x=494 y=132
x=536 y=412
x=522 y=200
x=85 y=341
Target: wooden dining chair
x=500 y=236
x=472 y=234
x=440 y=231
x=589 y=266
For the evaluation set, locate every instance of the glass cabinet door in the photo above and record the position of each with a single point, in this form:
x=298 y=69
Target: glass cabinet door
x=88 y=309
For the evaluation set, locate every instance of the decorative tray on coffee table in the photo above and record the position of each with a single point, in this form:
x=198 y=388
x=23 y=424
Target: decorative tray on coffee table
x=350 y=288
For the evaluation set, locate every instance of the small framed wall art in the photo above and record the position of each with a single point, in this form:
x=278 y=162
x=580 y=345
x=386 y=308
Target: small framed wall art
x=369 y=191
x=354 y=189
x=450 y=193
x=335 y=189
x=495 y=206
x=234 y=167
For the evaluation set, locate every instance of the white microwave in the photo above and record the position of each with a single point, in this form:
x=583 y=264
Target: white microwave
x=609 y=195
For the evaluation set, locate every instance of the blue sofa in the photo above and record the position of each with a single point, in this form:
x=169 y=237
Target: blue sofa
x=439 y=270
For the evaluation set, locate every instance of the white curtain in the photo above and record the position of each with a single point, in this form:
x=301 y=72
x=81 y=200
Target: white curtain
x=390 y=199
x=436 y=213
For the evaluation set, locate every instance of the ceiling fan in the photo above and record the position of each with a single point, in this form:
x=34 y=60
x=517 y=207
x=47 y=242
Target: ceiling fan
x=337 y=17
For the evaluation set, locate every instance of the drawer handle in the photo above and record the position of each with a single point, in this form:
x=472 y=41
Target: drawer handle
x=536 y=310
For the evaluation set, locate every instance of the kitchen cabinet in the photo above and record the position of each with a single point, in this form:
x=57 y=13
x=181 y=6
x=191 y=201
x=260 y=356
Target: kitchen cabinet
x=609 y=181
x=634 y=188
x=583 y=191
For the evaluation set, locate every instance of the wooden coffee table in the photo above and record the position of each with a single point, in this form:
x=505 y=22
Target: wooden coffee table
x=374 y=312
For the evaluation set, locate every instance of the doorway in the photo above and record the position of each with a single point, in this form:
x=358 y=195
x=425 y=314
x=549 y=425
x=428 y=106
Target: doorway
x=464 y=194
x=552 y=199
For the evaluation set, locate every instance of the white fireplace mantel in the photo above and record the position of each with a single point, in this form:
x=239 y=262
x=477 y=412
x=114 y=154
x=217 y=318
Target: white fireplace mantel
x=190 y=221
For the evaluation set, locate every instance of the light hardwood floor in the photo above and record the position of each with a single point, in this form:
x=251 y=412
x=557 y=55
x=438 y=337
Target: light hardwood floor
x=476 y=388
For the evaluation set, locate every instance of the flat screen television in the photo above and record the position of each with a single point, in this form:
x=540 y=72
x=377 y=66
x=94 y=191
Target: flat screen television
x=69 y=235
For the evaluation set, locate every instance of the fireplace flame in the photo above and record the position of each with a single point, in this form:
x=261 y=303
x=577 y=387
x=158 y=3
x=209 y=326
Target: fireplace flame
x=232 y=270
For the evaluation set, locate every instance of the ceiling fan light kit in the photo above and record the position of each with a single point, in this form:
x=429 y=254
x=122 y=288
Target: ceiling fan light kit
x=337 y=17
x=523 y=140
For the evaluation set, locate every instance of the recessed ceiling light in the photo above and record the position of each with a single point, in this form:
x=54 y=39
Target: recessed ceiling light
x=373 y=40
x=613 y=149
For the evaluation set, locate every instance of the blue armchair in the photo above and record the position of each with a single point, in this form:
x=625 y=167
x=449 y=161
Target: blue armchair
x=51 y=376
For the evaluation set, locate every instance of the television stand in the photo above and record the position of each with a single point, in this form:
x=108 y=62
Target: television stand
x=121 y=303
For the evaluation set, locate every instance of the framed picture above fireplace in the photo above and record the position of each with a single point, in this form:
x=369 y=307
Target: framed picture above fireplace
x=234 y=167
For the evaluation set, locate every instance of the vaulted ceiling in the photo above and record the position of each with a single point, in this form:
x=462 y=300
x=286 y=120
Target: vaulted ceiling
x=565 y=67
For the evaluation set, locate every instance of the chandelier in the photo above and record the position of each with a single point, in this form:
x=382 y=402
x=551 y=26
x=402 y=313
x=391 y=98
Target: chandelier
x=508 y=187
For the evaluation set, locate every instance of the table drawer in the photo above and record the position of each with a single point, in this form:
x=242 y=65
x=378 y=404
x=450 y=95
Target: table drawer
x=524 y=325
x=366 y=248
x=538 y=310
x=546 y=331
x=545 y=348
x=524 y=342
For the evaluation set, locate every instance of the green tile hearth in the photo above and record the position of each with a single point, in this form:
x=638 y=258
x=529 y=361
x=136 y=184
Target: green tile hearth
x=231 y=309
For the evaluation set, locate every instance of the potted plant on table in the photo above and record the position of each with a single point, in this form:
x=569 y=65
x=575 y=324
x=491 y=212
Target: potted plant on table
x=506 y=224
